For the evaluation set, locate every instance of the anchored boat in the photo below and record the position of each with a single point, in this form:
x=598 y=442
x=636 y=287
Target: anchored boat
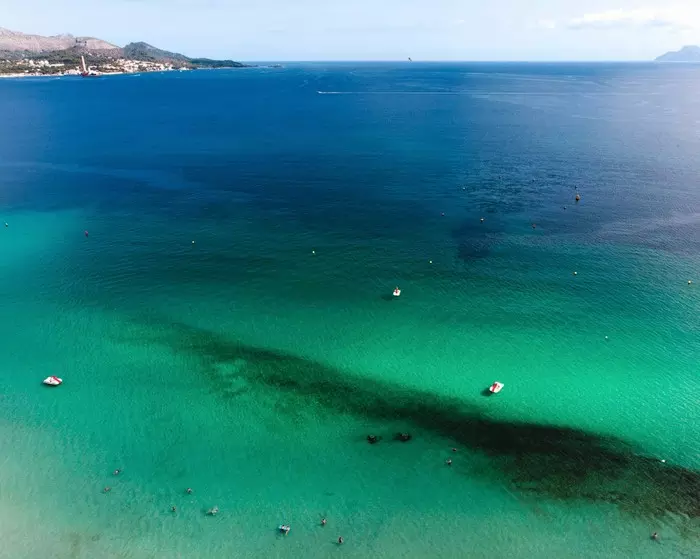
x=496 y=387
x=53 y=381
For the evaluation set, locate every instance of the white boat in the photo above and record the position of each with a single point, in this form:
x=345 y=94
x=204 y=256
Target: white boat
x=496 y=387
x=397 y=292
x=53 y=381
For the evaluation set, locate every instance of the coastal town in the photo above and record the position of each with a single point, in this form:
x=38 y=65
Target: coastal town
x=23 y=55
x=27 y=67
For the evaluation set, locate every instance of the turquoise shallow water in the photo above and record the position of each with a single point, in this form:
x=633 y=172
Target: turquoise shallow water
x=251 y=364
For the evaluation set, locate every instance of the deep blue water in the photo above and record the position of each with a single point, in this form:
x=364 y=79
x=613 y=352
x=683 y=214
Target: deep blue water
x=501 y=131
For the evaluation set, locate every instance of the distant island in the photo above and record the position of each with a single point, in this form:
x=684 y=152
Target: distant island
x=35 y=55
x=690 y=53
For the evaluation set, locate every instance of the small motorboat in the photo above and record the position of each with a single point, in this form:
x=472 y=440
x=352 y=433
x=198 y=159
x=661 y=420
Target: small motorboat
x=496 y=387
x=397 y=292
x=53 y=381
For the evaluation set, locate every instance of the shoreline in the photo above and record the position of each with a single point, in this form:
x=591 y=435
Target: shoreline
x=11 y=76
x=17 y=76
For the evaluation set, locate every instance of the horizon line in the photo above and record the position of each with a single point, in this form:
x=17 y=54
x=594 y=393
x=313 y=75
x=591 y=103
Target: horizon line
x=465 y=61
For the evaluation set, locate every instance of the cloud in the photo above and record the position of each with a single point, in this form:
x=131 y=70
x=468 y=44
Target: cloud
x=674 y=18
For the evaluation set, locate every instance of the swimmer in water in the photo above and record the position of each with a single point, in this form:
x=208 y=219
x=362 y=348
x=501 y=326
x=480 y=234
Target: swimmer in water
x=117 y=472
x=173 y=509
x=454 y=450
x=448 y=462
x=86 y=233
x=189 y=491
x=107 y=489
x=371 y=439
x=655 y=536
x=323 y=522
x=340 y=540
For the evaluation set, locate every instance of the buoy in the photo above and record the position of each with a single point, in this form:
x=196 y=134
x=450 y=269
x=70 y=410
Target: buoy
x=313 y=252
x=482 y=220
x=664 y=461
x=443 y=213
x=6 y=225
x=431 y=261
x=606 y=337
x=690 y=282
x=576 y=273
x=192 y=242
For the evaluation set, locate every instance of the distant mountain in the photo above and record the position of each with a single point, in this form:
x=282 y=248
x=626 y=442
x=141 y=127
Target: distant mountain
x=690 y=53
x=68 y=49
x=12 y=41
x=149 y=53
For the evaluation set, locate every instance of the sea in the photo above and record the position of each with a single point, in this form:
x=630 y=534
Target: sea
x=207 y=260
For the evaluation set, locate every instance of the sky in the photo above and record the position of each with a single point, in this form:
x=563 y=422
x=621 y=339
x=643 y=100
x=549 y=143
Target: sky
x=287 y=30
